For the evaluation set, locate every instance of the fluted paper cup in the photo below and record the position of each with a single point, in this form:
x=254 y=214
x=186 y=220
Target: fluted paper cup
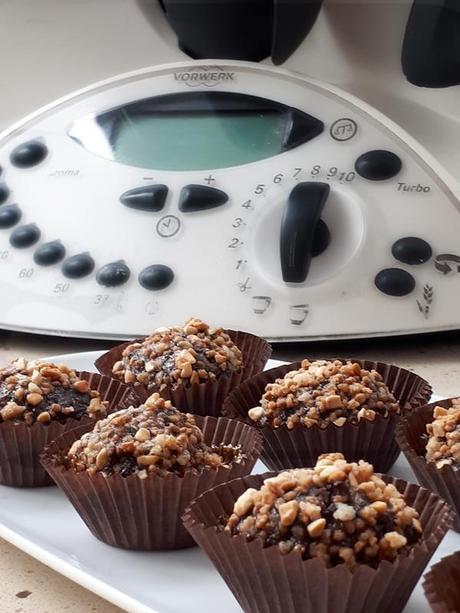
x=442 y=585
x=263 y=580
x=145 y=514
x=445 y=481
x=201 y=398
x=372 y=441
x=21 y=445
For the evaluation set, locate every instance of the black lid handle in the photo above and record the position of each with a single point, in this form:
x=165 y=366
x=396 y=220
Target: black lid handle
x=241 y=29
x=292 y=22
x=431 y=49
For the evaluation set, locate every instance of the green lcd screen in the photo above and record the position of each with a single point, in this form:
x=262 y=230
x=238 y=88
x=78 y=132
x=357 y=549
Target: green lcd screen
x=197 y=140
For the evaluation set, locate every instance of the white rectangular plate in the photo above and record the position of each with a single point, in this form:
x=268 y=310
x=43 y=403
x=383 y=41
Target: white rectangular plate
x=42 y=523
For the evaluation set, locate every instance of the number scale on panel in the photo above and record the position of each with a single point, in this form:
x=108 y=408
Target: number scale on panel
x=245 y=194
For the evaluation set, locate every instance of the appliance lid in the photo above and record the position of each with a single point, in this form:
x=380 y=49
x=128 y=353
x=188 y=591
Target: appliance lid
x=241 y=29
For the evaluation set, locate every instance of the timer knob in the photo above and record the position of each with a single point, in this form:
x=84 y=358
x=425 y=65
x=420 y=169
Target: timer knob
x=299 y=229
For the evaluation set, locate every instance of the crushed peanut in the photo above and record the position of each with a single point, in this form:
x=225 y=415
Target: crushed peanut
x=40 y=391
x=338 y=511
x=324 y=392
x=154 y=437
x=179 y=355
x=443 y=446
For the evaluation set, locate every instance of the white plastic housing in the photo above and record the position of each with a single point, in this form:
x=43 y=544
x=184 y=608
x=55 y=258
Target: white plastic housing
x=226 y=271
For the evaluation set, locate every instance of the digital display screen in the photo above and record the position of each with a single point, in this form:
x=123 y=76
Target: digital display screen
x=197 y=140
x=194 y=130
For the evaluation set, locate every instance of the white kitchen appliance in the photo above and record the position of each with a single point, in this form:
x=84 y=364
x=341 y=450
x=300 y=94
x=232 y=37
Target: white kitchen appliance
x=320 y=201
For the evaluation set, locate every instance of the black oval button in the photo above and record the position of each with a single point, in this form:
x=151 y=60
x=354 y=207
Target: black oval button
x=156 y=277
x=49 y=253
x=113 y=274
x=148 y=198
x=25 y=236
x=395 y=282
x=4 y=193
x=412 y=250
x=10 y=214
x=78 y=266
x=378 y=165
x=29 y=154
x=201 y=198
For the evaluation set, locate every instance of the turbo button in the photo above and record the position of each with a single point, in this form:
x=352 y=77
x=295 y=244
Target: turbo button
x=378 y=165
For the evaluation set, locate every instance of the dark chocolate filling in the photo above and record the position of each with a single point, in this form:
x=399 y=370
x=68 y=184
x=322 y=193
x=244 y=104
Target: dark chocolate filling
x=425 y=438
x=65 y=397
x=125 y=464
x=166 y=361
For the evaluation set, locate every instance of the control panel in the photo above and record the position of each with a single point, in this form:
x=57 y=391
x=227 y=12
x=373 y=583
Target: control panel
x=247 y=195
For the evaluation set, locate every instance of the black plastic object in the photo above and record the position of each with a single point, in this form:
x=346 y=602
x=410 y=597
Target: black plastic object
x=25 y=236
x=241 y=29
x=395 y=282
x=412 y=250
x=147 y=198
x=49 y=253
x=29 y=154
x=292 y=22
x=78 y=266
x=10 y=214
x=113 y=274
x=201 y=198
x=4 y=193
x=321 y=239
x=156 y=277
x=298 y=227
x=431 y=49
x=378 y=165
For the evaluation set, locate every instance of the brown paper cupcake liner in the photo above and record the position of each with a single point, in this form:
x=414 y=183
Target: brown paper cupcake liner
x=442 y=585
x=371 y=441
x=201 y=398
x=265 y=581
x=445 y=481
x=21 y=445
x=145 y=514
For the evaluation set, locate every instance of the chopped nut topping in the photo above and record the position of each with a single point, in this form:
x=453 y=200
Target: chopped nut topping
x=443 y=446
x=179 y=356
x=323 y=392
x=154 y=437
x=316 y=528
x=41 y=391
x=338 y=511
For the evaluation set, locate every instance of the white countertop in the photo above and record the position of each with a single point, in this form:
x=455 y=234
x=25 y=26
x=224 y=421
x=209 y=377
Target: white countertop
x=29 y=586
